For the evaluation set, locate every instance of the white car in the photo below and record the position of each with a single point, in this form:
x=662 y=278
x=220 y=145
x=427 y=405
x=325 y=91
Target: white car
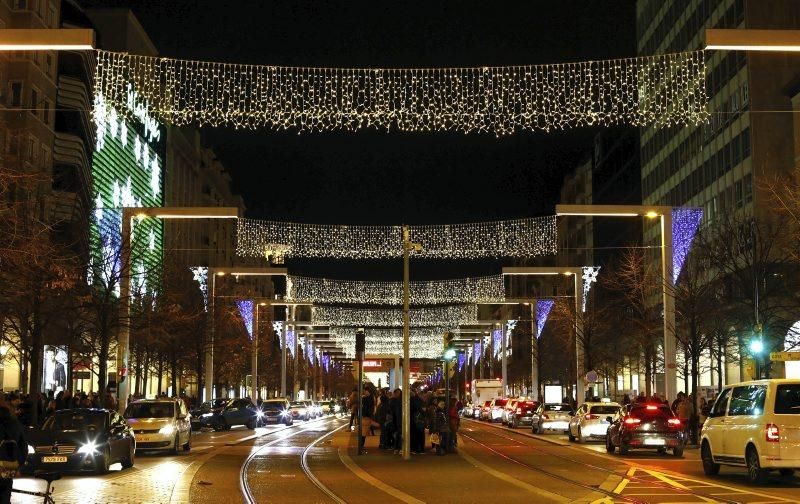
x=496 y=410
x=160 y=424
x=591 y=420
x=755 y=424
x=551 y=418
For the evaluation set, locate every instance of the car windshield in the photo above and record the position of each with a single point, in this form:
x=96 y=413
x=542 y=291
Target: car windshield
x=75 y=421
x=558 y=407
x=150 y=410
x=604 y=410
x=500 y=402
x=487 y=403
x=299 y=404
x=651 y=412
x=273 y=406
x=787 y=400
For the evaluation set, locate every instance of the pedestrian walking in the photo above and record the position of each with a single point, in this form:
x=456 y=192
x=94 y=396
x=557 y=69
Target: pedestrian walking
x=367 y=422
x=396 y=420
x=13 y=449
x=352 y=404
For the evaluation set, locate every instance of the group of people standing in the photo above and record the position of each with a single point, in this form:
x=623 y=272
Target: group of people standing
x=383 y=410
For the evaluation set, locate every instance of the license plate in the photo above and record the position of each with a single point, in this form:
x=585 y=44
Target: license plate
x=654 y=441
x=143 y=437
x=53 y=459
x=272 y=420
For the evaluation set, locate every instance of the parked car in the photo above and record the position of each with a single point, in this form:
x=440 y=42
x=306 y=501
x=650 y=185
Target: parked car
x=507 y=409
x=591 y=420
x=300 y=411
x=236 y=412
x=213 y=406
x=275 y=411
x=754 y=424
x=522 y=413
x=496 y=409
x=160 y=424
x=82 y=439
x=649 y=426
x=551 y=417
x=327 y=407
x=485 y=409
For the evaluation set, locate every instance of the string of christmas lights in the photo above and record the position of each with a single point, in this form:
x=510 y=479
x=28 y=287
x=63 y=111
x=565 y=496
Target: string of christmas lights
x=424 y=342
x=661 y=90
x=451 y=316
x=530 y=237
x=487 y=289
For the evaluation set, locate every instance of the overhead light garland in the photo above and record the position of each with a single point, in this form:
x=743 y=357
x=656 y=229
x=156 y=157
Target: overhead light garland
x=450 y=316
x=200 y=275
x=685 y=223
x=589 y=277
x=424 y=342
x=487 y=289
x=476 y=352
x=462 y=358
x=531 y=237
x=497 y=341
x=661 y=90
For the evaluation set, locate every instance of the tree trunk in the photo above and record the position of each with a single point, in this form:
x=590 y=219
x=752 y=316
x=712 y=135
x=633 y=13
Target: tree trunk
x=648 y=375
x=720 y=380
x=160 y=373
x=693 y=420
x=174 y=373
x=102 y=356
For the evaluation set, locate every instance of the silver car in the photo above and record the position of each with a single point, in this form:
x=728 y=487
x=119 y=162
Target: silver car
x=552 y=417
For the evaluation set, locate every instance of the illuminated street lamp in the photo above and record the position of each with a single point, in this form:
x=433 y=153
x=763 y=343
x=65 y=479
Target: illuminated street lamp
x=669 y=269
x=752 y=40
x=73 y=39
x=128 y=214
x=236 y=272
x=577 y=275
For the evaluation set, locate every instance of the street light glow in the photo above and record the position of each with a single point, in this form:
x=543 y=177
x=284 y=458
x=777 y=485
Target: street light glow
x=756 y=346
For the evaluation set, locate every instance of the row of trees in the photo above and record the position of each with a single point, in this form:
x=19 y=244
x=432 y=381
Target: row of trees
x=49 y=295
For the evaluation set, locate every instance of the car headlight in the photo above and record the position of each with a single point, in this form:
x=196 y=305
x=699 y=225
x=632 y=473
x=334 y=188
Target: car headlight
x=206 y=415
x=89 y=448
x=167 y=429
x=31 y=450
x=259 y=414
x=285 y=413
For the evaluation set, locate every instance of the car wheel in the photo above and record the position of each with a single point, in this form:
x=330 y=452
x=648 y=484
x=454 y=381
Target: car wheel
x=623 y=448
x=188 y=446
x=176 y=444
x=787 y=473
x=251 y=424
x=709 y=467
x=609 y=444
x=534 y=428
x=580 y=435
x=569 y=433
x=678 y=451
x=127 y=462
x=103 y=461
x=219 y=425
x=755 y=474
x=514 y=424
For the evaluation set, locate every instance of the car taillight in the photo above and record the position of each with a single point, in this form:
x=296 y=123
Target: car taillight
x=544 y=415
x=589 y=416
x=519 y=411
x=632 y=421
x=773 y=433
x=674 y=422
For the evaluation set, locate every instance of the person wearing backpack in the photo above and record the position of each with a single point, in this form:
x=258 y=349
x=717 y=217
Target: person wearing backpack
x=13 y=449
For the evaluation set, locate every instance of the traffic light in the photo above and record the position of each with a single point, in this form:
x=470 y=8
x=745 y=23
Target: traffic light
x=449 y=352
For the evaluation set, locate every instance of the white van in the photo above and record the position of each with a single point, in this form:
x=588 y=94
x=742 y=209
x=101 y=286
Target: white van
x=755 y=424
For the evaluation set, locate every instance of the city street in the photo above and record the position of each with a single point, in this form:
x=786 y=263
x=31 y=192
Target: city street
x=268 y=466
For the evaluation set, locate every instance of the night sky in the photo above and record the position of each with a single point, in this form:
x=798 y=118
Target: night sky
x=371 y=177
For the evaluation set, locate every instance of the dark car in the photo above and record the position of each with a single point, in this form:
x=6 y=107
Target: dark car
x=208 y=407
x=81 y=439
x=648 y=426
x=522 y=414
x=275 y=411
x=235 y=412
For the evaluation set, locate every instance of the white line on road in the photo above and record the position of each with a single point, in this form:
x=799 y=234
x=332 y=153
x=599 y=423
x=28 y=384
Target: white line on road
x=380 y=485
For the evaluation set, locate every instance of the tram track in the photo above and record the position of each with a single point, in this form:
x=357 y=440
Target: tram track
x=244 y=484
x=586 y=465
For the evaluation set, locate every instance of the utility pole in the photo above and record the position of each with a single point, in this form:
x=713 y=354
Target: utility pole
x=534 y=352
x=408 y=247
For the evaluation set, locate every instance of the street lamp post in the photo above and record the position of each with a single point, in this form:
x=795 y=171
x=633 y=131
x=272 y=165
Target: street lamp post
x=664 y=214
x=408 y=247
x=235 y=272
x=128 y=214
x=577 y=274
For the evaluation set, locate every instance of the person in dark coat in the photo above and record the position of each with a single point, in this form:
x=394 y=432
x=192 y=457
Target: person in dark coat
x=418 y=421
x=396 y=422
x=10 y=430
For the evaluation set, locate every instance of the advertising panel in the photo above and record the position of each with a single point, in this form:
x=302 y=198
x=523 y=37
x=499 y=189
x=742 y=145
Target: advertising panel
x=54 y=368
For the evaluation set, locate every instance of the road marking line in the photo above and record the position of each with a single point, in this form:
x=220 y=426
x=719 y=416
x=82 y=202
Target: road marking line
x=734 y=489
x=510 y=479
x=183 y=484
x=380 y=485
x=621 y=486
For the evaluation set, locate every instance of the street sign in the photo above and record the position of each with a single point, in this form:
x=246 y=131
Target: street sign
x=784 y=356
x=591 y=377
